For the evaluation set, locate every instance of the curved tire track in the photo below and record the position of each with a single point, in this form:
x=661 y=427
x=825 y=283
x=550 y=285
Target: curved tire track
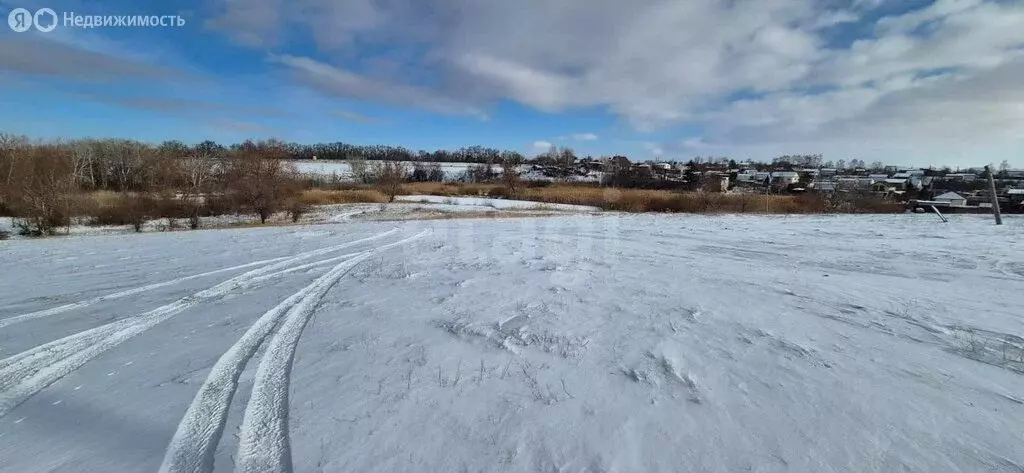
x=24 y=374
x=122 y=294
x=264 y=441
x=194 y=443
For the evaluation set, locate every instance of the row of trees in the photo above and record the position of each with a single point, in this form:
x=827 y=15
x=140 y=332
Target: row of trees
x=43 y=183
x=346 y=151
x=112 y=163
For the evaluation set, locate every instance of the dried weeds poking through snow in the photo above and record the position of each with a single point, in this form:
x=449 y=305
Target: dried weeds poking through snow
x=601 y=343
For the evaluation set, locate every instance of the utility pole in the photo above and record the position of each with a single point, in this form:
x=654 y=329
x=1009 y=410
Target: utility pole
x=995 y=199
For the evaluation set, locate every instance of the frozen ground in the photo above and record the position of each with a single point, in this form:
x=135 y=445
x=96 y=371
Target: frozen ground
x=494 y=204
x=576 y=343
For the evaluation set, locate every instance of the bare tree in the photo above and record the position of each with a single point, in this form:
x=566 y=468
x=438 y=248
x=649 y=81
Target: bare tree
x=479 y=173
x=127 y=164
x=510 y=163
x=389 y=177
x=198 y=172
x=565 y=161
x=40 y=189
x=260 y=180
x=12 y=152
x=427 y=172
x=359 y=169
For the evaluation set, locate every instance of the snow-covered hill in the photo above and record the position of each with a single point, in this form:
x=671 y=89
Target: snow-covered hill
x=575 y=343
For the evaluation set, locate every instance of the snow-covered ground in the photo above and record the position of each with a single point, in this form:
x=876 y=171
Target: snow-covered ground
x=481 y=203
x=577 y=343
x=452 y=171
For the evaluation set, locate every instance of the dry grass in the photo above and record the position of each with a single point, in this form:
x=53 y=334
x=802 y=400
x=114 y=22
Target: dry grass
x=348 y=196
x=447 y=189
x=640 y=200
x=85 y=204
x=627 y=200
x=644 y=200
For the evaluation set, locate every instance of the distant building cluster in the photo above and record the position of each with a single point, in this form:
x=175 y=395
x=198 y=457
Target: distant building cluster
x=956 y=189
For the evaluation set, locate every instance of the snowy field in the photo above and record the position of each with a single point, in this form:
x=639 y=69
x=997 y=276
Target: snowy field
x=575 y=343
x=481 y=203
x=452 y=171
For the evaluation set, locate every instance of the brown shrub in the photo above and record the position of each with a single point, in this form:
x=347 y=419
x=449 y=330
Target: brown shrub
x=296 y=210
x=451 y=189
x=38 y=189
x=389 y=177
x=220 y=204
x=260 y=180
x=643 y=200
x=430 y=188
x=129 y=209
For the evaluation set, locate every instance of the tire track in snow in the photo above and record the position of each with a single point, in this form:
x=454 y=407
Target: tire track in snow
x=194 y=443
x=246 y=279
x=122 y=294
x=54 y=351
x=24 y=374
x=263 y=443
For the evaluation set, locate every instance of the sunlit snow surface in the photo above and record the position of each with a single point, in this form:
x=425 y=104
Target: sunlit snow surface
x=574 y=343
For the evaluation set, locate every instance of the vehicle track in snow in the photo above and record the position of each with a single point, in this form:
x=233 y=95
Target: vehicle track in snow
x=194 y=443
x=122 y=294
x=263 y=443
x=26 y=373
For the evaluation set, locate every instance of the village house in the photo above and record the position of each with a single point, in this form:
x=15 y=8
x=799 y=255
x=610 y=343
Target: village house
x=824 y=187
x=1016 y=196
x=961 y=176
x=854 y=183
x=752 y=177
x=952 y=199
x=889 y=186
x=784 y=178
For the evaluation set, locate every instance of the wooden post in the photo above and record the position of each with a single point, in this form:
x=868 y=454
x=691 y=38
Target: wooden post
x=995 y=198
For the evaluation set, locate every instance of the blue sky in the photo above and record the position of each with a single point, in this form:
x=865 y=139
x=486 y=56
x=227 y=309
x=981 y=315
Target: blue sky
x=909 y=82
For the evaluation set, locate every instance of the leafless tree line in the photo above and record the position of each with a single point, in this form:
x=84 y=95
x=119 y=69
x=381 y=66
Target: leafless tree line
x=42 y=184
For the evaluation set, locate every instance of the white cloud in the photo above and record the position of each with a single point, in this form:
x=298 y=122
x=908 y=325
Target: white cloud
x=57 y=56
x=937 y=10
x=343 y=83
x=353 y=116
x=654 y=149
x=833 y=18
x=663 y=63
x=541 y=146
x=584 y=137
